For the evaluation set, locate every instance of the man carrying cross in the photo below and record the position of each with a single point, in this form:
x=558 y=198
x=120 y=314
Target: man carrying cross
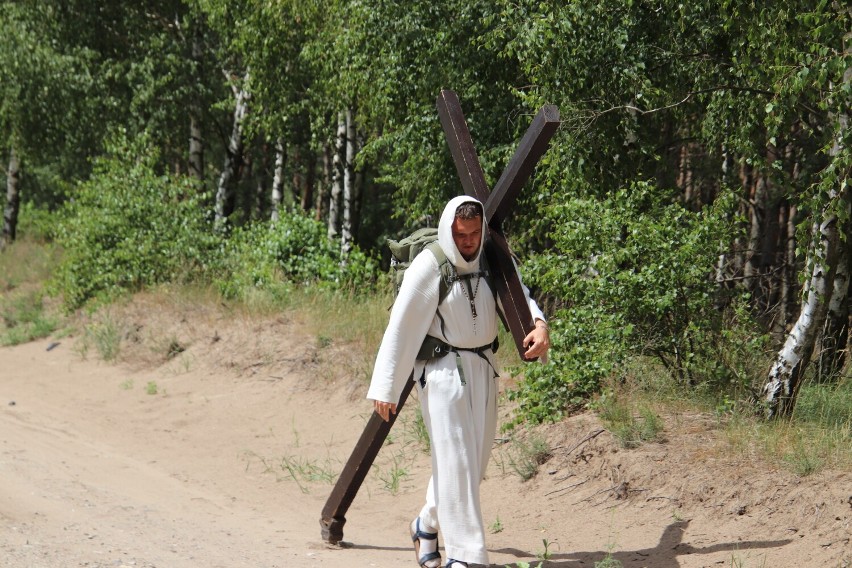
x=457 y=388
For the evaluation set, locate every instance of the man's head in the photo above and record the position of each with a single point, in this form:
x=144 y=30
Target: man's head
x=467 y=229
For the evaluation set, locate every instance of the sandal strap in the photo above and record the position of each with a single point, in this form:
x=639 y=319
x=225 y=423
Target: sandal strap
x=452 y=561
x=418 y=534
x=429 y=556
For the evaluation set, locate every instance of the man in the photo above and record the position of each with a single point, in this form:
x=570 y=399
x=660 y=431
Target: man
x=458 y=389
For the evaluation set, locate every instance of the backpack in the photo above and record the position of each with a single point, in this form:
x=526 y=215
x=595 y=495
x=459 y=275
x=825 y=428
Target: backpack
x=404 y=250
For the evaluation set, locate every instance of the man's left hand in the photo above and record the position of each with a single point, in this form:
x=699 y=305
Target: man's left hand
x=537 y=342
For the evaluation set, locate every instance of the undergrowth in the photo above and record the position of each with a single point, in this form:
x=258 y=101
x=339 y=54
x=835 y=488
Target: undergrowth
x=350 y=323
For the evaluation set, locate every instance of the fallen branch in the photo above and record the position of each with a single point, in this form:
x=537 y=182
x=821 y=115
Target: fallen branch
x=566 y=488
x=591 y=436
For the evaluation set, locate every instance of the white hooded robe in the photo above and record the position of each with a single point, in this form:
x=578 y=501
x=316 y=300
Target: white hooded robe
x=461 y=418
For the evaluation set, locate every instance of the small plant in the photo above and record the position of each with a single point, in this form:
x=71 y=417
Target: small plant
x=528 y=455
x=609 y=562
x=630 y=431
x=497 y=526
x=545 y=554
x=301 y=470
x=420 y=431
x=151 y=388
x=105 y=336
x=393 y=476
x=126 y=385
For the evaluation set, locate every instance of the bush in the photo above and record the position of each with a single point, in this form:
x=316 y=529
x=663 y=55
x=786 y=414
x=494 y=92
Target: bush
x=292 y=251
x=128 y=227
x=632 y=275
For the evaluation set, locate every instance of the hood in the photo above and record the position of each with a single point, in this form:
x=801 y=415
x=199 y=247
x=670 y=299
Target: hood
x=445 y=236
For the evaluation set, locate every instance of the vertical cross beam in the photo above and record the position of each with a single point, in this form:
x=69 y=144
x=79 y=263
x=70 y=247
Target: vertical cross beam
x=517 y=317
x=498 y=204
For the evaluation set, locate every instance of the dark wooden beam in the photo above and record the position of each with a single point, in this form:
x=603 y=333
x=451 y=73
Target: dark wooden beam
x=516 y=312
x=461 y=146
x=333 y=515
x=530 y=150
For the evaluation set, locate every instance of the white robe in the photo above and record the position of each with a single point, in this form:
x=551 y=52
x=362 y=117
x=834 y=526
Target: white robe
x=461 y=418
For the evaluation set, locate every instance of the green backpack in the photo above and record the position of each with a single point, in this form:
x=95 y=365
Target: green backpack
x=404 y=250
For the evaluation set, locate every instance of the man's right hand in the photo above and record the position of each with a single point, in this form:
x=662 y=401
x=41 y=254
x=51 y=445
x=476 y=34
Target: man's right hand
x=384 y=409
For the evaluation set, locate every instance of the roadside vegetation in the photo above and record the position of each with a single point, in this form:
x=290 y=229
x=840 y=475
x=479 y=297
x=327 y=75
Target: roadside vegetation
x=633 y=404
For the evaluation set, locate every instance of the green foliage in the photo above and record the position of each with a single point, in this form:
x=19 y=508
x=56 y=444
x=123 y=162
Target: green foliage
x=295 y=250
x=129 y=227
x=24 y=319
x=631 y=275
x=630 y=430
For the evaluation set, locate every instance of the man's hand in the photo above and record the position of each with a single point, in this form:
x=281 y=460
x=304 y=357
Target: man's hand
x=537 y=342
x=384 y=409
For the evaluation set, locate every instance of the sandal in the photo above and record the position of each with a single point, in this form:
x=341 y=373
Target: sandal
x=430 y=559
x=452 y=562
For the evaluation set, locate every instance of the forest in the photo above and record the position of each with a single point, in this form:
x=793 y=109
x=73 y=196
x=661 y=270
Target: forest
x=692 y=210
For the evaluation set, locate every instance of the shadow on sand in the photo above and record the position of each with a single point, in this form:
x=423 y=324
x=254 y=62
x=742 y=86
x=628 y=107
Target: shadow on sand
x=664 y=555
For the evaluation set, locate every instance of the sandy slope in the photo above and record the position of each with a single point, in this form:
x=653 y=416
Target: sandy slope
x=97 y=472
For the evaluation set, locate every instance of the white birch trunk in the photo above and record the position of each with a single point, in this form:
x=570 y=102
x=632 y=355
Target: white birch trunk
x=13 y=199
x=230 y=171
x=278 y=178
x=336 y=177
x=785 y=375
x=349 y=192
x=196 y=147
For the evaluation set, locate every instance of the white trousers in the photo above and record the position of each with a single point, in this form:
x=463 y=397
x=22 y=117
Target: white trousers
x=461 y=420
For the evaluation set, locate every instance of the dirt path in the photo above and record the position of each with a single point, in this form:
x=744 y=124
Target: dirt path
x=223 y=468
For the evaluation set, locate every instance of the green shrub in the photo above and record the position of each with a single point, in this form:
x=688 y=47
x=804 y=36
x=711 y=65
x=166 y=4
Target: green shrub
x=292 y=251
x=631 y=275
x=129 y=227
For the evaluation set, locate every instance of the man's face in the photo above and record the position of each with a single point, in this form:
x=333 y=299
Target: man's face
x=467 y=234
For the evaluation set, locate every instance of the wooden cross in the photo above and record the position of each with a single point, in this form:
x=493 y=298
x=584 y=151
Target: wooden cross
x=516 y=313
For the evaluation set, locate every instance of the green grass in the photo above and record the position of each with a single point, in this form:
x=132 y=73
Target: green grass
x=25 y=315
x=527 y=455
x=630 y=424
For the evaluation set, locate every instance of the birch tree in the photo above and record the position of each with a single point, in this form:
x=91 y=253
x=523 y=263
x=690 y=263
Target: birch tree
x=234 y=155
x=13 y=200
x=337 y=176
x=350 y=189
x=830 y=248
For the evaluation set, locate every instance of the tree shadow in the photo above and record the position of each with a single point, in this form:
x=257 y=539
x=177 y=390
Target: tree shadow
x=664 y=555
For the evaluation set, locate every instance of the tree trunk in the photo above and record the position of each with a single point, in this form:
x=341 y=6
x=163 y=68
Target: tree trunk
x=835 y=334
x=786 y=298
x=196 y=146
x=306 y=197
x=349 y=190
x=785 y=375
x=336 y=177
x=278 y=178
x=233 y=158
x=13 y=199
x=757 y=199
x=325 y=182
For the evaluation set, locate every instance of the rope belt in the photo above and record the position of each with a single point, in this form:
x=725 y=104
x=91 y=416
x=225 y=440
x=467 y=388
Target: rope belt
x=433 y=348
